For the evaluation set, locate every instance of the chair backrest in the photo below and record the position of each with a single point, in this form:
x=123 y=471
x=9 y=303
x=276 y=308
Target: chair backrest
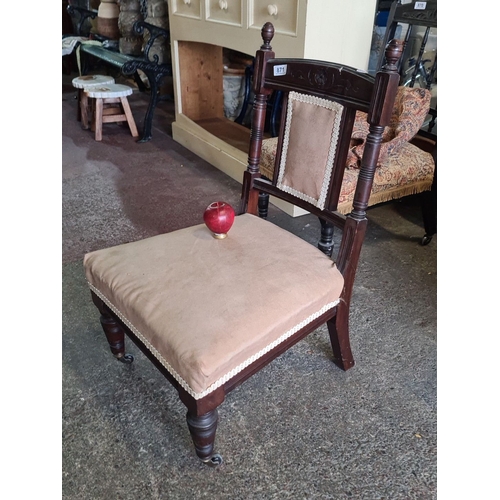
x=320 y=100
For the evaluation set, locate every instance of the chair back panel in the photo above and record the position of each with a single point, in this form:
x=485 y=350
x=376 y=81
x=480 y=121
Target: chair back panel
x=313 y=135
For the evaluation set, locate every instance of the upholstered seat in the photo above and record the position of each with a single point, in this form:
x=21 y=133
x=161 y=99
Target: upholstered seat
x=267 y=269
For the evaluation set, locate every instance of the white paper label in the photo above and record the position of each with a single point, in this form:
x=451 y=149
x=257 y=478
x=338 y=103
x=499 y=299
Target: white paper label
x=420 y=5
x=279 y=70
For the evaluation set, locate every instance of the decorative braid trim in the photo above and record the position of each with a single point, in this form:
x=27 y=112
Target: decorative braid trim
x=228 y=376
x=325 y=103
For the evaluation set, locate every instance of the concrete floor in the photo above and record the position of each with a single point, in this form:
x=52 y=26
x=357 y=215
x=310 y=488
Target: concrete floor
x=301 y=428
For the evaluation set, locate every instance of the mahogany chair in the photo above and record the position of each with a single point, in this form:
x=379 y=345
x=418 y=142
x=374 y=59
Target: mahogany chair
x=209 y=312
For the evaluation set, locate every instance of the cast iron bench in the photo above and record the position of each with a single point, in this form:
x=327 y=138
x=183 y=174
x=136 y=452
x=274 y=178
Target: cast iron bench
x=127 y=64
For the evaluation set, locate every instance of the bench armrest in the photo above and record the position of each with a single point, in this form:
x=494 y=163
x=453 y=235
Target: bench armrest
x=83 y=14
x=154 y=32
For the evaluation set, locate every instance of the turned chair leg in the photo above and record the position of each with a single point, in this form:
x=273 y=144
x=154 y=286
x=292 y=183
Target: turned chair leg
x=202 y=429
x=114 y=332
x=338 y=328
x=263 y=205
x=325 y=243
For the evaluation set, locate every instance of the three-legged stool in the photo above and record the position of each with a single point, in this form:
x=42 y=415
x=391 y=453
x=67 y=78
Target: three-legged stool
x=111 y=105
x=81 y=83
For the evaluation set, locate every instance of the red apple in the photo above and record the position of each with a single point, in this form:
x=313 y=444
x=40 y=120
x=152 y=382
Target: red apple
x=219 y=217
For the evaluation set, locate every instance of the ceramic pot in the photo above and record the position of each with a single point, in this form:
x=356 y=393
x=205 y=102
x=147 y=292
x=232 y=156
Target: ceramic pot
x=108 y=10
x=108 y=27
x=234 y=93
x=107 y=19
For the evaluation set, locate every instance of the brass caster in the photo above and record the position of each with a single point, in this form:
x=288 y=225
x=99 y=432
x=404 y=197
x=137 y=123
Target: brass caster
x=126 y=358
x=214 y=461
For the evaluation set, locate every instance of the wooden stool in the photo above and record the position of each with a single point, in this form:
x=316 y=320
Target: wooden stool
x=84 y=82
x=111 y=105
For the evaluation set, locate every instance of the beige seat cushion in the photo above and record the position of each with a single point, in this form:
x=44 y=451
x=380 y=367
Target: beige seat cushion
x=207 y=308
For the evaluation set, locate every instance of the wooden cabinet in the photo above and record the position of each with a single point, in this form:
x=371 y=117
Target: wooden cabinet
x=334 y=30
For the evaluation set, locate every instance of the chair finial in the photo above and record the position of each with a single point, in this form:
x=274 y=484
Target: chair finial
x=267 y=33
x=393 y=52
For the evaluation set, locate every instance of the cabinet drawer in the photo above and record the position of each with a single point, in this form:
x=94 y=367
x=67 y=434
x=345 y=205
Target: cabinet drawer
x=187 y=8
x=224 y=11
x=282 y=13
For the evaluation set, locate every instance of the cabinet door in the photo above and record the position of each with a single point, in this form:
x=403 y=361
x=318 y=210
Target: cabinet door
x=224 y=11
x=282 y=13
x=187 y=8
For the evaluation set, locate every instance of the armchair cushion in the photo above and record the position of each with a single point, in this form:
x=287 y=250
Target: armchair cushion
x=279 y=283
x=410 y=109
